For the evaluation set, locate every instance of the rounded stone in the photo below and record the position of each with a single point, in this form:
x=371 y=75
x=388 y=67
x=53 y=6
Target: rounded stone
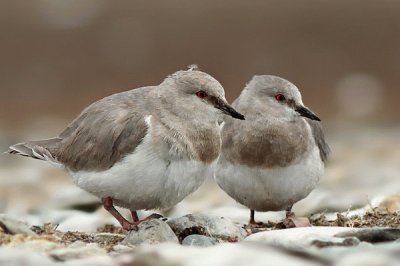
x=198 y=240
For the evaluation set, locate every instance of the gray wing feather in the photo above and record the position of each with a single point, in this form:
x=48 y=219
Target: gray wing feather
x=101 y=135
x=319 y=138
x=35 y=149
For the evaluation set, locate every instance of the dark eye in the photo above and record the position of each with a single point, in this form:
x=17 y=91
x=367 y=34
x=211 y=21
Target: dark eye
x=201 y=94
x=280 y=97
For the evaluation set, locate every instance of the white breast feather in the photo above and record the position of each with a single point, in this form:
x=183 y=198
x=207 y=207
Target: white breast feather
x=270 y=189
x=142 y=180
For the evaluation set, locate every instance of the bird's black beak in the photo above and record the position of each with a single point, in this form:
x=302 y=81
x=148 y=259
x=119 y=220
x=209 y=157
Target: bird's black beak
x=304 y=111
x=227 y=109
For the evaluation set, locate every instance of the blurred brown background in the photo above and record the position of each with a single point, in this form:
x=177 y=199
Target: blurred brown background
x=58 y=56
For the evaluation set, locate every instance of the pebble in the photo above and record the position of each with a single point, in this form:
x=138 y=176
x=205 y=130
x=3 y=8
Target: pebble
x=248 y=254
x=373 y=235
x=69 y=253
x=153 y=231
x=13 y=226
x=107 y=237
x=391 y=203
x=119 y=249
x=101 y=260
x=214 y=226
x=198 y=240
x=18 y=257
x=363 y=254
x=305 y=237
x=36 y=245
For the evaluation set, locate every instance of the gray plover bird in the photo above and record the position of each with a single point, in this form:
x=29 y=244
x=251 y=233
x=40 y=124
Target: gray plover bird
x=145 y=148
x=276 y=156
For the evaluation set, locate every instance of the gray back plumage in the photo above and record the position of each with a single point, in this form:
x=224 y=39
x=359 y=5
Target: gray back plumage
x=104 y=133
x=109 y=129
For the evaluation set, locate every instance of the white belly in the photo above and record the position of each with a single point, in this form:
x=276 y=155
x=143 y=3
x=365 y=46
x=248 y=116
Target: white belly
x=144 y=183
x=270 y=189
x=143 y=180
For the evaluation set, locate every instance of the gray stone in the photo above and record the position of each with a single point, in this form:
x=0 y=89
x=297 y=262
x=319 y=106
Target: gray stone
x=243 y=253
x=198 y=240
x=121 y=249
x=304 y=237
x=372 y=257
x=103 y=260
x=373 y=235
x=13 y=226
x=364 y=254
x=36 y=245
x=69 y=253
x=18 y=257
x=108 y=237
x=152 y=231
x=214 y=226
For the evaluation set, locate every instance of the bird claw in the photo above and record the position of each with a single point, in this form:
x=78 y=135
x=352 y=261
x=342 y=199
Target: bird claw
x=154 y=216
x=292 y=222
x=129 y=226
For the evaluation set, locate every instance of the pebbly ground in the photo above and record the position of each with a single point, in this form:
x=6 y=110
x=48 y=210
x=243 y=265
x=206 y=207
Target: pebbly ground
x=46 y=220
x=365 y=236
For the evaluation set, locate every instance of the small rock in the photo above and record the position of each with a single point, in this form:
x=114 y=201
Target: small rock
x=391 y=203
x=69 y=253
x=214 y=226
x=120 y=249
x=370 y=257
x=14 y=226
x=293 y=222
x=373 y=235
x=304 y=237
x=249 y=254
x=108 y=237
x=198 y=240
x=90 y=261
x=363 y=254
x=18 y=257
x=77 y=244
x=37 y=245
x=152 y=231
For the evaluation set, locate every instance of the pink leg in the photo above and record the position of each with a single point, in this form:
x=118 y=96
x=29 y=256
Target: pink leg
x=252 y=221
x=109 y=206
x=134 y=215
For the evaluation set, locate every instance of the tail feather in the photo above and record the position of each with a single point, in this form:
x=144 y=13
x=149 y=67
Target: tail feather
x=20 y=149
x=35 y=149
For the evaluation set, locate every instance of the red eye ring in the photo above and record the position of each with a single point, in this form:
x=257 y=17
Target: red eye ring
x=201 y=94
x=280 y=97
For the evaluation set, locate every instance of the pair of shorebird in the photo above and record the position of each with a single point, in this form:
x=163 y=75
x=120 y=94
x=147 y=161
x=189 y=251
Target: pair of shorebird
x=151 y=147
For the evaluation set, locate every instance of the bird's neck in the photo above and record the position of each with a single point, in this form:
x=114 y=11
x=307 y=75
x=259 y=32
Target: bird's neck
x=192 y=139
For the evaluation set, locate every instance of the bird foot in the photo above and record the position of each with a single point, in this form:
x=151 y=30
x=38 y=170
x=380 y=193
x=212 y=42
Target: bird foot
x=126 y=225
x=252 y=222
x=290 y=214
x=292 y=222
